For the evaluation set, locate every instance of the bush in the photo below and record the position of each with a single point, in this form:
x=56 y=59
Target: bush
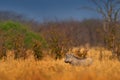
x=37 y=48
x=18 y=37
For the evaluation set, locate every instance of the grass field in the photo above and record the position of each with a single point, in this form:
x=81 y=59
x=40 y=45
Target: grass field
x=49 y=69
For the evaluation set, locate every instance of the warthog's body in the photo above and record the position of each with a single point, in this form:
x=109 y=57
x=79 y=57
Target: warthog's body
x=73 y=60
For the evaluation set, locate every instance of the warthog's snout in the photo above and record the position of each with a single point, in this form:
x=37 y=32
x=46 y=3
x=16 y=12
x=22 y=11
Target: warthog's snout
x=66 y=61
x=68 y=58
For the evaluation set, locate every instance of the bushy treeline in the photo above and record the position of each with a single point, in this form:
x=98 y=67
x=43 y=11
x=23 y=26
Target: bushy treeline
x=62 y=35
x=52 y=38
x=75 y=33
x=65 y=34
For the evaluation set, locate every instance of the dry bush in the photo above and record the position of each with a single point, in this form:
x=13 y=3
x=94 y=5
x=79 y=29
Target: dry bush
x=37 y=48
x=56 y=41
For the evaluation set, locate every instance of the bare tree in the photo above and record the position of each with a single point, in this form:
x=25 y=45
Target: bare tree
x=110 y=11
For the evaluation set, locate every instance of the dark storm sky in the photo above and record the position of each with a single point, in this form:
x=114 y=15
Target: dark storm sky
x=49 y=9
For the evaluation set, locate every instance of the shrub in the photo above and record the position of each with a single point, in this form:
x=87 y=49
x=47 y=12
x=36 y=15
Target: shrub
x=18 y=37
x=37 y=48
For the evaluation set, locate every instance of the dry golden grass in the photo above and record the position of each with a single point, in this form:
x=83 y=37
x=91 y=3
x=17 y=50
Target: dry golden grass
x=49 y=69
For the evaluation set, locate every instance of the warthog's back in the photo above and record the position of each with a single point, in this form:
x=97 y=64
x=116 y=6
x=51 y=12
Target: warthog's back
x=85 y=62
x=71 y=59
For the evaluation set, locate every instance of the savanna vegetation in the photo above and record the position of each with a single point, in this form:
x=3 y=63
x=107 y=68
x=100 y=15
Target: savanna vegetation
x=30 y=50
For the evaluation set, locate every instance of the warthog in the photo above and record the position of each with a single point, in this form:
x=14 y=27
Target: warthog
x=73 y=60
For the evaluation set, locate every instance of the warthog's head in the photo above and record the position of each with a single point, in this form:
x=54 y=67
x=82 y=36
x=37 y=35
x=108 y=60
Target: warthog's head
x=68 y=58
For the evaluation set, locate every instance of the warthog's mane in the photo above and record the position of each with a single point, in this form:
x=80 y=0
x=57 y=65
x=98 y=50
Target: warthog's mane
x=76 y=57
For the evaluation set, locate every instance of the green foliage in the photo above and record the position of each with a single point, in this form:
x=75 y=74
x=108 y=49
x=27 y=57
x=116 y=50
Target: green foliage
x=31 y=36
x=18 y=37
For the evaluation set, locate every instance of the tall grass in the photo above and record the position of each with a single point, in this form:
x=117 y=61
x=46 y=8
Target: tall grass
x=49 y=69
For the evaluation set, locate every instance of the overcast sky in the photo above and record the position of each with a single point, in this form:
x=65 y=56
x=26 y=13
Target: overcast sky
x=49 y=9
